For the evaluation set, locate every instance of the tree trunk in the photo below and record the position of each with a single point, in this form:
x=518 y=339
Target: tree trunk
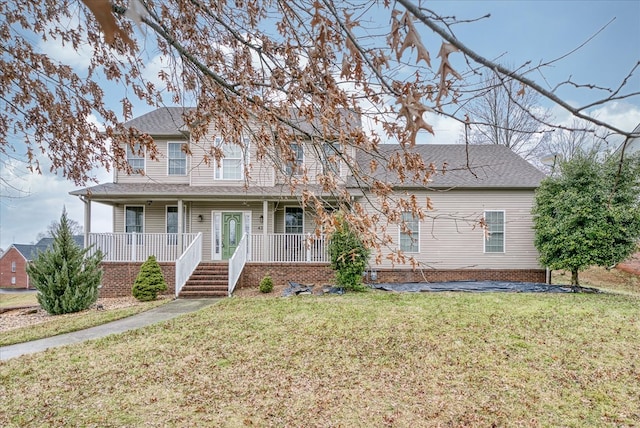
x=575 y=284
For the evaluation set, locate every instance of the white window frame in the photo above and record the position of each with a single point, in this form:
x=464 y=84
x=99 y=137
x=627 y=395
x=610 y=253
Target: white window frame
x=169 y=158
x=13 y=280
x=133 y=155
x=219 y=170
x=331 y=150
x=486 y=237
x=285 y=218
x=126 y=207
x=13 y=266
x=414 y=239
x=299 y=162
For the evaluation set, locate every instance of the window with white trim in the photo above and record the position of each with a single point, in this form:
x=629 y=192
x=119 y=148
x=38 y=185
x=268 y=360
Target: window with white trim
x=134 y=216
x=294 y=166
x=172 y=225
x=331 y=158
x=234 y=160
x=494 y=239
x=177 y=162
x=293 y=220
x=13 y=266
x=135 y=158
x=410 y=233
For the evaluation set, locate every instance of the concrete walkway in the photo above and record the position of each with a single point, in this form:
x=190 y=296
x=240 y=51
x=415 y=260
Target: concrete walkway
x=164 y=312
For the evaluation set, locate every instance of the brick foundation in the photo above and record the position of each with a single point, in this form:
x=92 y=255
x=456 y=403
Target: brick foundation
x=281 y=273
x=118 y=278
x=320 y=274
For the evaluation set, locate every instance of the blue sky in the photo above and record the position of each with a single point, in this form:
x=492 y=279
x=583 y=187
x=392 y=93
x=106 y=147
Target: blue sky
x=517 y=31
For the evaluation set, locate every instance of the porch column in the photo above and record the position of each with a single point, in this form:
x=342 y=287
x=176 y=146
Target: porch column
x=265 y=222
x=87 y=219
x=180 y=230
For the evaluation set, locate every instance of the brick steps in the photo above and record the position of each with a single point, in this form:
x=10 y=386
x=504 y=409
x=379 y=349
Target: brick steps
x=210 y=279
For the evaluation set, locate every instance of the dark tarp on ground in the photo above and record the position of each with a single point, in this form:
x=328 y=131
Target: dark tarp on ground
x=518 y=287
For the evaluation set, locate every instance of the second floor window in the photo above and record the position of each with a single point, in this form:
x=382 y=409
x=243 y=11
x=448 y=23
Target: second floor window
x=294 y=166
x=231 y=166
x=135 y=158
x=13 y=266
x=331 y=158
x=177 y=159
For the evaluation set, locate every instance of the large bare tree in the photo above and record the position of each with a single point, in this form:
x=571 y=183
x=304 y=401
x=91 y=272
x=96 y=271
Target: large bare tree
x=279 y=64
x=506 y=114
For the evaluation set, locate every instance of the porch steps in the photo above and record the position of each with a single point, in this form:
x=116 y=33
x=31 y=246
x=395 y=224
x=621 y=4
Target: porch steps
x=210 y=279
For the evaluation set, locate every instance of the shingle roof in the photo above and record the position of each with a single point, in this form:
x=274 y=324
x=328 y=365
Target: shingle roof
x=162 y=121
x=173 y=191
x=30 y=251
x=467 y=166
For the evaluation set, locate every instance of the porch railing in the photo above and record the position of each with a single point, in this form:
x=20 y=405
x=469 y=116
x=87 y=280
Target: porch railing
x=135 y=247
x=237 y=261
x=187 y=262
x=281 y=247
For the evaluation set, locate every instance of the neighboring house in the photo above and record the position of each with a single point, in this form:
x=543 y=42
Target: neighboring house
x=13 y=263
x=190 y=213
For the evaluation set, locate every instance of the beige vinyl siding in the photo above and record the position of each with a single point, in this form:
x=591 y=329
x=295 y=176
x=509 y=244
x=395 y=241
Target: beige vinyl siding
x=313 y=164
x=450 y=238
x=202 y=174
x=155 y=216
x=156 y=170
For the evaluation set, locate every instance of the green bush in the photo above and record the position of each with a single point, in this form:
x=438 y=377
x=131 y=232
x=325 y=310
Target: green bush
x=266 y=284
x=349 y=256
x=150 y=281
x=66 y=278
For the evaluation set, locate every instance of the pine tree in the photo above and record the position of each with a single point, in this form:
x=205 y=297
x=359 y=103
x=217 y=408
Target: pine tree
x=149 y=281
x=66 y=277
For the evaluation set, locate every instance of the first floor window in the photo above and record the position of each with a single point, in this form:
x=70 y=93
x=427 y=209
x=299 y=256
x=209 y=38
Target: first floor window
x=172 y=225
x=410 y=233
x=133 y=219
x=293 y=220
x=494 y=240
x=177 y=159
x=135 y=158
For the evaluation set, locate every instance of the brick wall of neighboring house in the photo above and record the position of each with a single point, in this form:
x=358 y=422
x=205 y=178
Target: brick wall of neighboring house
x=118 y=278
x=9 y=278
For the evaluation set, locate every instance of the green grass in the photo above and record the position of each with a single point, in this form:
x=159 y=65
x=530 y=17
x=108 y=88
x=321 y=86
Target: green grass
x=374 y=359
x=18 y=299
x=68 y=323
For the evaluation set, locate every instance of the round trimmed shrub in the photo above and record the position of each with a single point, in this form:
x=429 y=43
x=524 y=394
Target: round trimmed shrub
x=149 y=282
x=266 y=284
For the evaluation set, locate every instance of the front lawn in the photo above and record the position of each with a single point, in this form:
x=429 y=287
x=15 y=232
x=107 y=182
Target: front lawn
x=373 y=359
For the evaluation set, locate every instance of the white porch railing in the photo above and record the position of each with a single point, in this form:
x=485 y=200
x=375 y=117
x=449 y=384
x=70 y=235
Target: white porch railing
x=237 y=261
x=281 y=247
x=135 y=247
x=187 y=262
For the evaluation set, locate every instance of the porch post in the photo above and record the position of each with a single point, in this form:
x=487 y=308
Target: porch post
x=180 y=231
x=87 y=219
x=265 y=222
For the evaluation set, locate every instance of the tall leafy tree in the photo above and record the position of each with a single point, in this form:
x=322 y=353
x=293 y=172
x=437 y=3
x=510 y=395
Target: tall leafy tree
x=66 y=276
x=588 y=214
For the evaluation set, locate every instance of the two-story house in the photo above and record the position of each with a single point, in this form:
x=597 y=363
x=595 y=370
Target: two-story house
x=241 y=216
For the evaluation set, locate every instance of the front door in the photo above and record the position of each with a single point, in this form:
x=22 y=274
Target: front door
x=231 y=233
